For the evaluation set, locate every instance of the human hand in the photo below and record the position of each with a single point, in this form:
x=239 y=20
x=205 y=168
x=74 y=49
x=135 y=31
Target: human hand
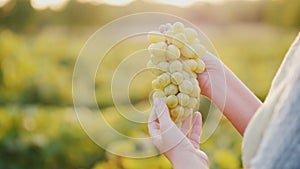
x=180 y=146
x=213 y=79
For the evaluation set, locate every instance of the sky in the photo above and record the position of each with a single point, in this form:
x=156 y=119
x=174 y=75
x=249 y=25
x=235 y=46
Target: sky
x=59 y=4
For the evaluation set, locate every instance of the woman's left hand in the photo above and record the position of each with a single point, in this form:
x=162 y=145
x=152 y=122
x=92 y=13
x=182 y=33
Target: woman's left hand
x=180 y=146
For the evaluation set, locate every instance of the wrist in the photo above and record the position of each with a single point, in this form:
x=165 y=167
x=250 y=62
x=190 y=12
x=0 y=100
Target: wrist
x=191 y=159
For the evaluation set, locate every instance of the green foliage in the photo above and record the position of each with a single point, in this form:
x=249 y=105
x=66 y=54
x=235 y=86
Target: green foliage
x=254 y=53
x=33 y=137
x=289 y=15
x=37 y=70
x=159 y=162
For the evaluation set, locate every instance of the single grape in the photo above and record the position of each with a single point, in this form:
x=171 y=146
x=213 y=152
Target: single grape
x=164 y=79
x=158 y=49
x=199 y=49
x=194 y=81
x=156 y=84
x=176 y=113
x=176 y=78
x=171 y=89
x=178 y=27
x=196 y=91
x=156 y=71
x=193 y=103
x=200 y=66
x=179 y=39
x=186 y=75
x=172 y=52
x=183 y=99
x=155 y=37
x=186 y=87
x=193 y=75
x=169 y=27
x=175 y=66
x=163 y=66
x=172 y=101
x=190 y=64
x=169 y=36
x=187 y=52
x=190 y=34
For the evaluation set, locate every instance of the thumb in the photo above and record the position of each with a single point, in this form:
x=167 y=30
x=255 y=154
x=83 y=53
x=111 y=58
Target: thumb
x=162 y=113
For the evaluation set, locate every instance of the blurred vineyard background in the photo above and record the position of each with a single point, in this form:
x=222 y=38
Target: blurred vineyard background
x=39 y=44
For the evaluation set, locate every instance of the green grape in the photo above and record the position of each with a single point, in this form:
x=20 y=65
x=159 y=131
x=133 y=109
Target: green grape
x=163 y=66
x=176 y=113
x=172 y=101
x=190 y=64
x=186 y=74
x=156 y=71
x=156 y=84
x=193 y=103
x=183 y=99
x=169 y=36
x=194 y=81
x=158 y=49
x=199 y=49
x=193 y=75
x=172 y=52
x=178 y=27
x=187 y=52
x=190 y=34
x=169 y=26
x=176 y=78
x=171 y=89
x=155 y=37
x=196 y=91
x=186 y=87
x=164 y=79
x=200 y=66
x=175 y=66
x=179 y=39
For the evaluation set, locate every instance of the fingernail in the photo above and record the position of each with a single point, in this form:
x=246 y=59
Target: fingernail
x=197 y=114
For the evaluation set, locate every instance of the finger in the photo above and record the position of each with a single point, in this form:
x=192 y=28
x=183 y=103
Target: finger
x=196 y=131
x=153 y=125
x=185 y=127
x=162 y=113
x=152 y=116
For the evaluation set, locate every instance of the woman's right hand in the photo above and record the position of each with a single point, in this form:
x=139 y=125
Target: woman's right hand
x=213 y=78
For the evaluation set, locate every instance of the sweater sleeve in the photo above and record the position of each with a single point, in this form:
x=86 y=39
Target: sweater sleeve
x=278 y=95
x=280 y=144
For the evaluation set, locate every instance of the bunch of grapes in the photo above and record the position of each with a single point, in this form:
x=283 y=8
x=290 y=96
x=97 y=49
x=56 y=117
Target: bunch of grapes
x=176 y=59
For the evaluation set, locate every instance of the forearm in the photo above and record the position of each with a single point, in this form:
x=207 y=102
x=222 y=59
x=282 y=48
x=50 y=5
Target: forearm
x=192 y=160
x=228 y=93
x=240 y=104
